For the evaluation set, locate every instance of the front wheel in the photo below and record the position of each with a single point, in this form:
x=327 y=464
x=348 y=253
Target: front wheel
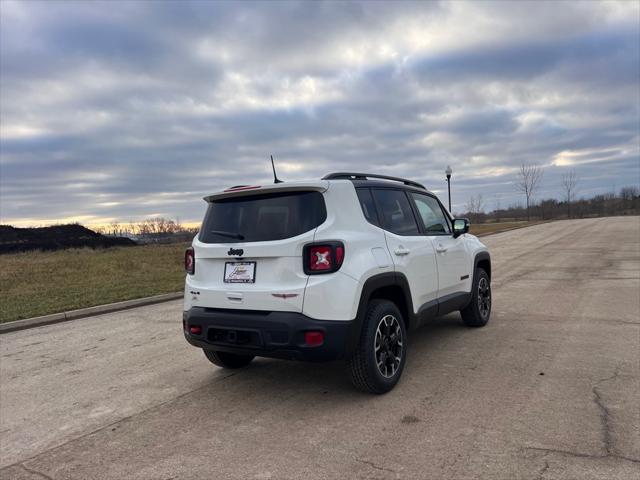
x=477 y=313
x=377 y=363
x=227 y=360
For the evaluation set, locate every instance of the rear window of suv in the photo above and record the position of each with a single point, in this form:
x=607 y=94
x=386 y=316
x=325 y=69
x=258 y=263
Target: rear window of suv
x=260 y=218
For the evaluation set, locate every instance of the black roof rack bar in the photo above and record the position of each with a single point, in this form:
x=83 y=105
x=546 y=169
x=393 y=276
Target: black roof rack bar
x=364 y=176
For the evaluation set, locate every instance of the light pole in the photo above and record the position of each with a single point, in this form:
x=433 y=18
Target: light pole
x=448 y=172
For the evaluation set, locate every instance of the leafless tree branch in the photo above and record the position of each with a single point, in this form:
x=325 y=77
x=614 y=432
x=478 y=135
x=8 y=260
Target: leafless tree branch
x=569 y=184
x=475 y=206
x=528 y=181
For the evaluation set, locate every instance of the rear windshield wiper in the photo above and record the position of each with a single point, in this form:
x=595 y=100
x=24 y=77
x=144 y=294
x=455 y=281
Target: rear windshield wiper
x=222 y=233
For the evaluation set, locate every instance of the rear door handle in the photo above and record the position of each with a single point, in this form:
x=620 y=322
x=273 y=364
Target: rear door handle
x=441 y=248
x=402 y=251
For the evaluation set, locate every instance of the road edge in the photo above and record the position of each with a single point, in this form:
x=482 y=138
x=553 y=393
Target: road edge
x=53 y=318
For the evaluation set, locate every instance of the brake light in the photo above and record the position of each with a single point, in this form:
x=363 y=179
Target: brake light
x=323 y=257
x=190 y=261
x=242 y=187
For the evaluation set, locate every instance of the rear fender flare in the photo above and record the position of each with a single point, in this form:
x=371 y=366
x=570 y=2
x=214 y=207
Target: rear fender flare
x=387 y=279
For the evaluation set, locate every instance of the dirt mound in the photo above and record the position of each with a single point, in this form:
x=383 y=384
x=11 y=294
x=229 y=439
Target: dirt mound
x=56 y=237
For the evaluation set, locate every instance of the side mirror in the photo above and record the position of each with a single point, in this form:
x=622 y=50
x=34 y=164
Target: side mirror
x=460 y=226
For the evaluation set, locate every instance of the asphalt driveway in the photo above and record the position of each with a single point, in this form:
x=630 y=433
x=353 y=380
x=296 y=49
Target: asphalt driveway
x=549 y=389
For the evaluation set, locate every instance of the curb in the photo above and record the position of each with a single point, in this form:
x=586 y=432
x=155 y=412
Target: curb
x=86 y=312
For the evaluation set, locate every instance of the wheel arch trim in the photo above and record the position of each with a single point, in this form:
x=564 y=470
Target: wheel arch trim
x=372 y=284
x=481 y=257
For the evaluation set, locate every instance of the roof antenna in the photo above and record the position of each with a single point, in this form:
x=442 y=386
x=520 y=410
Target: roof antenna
x=275 y=177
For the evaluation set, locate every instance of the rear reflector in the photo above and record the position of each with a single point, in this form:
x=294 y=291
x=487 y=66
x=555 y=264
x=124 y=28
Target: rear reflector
x=313 y=339
x=190 y=261
x=195 y=329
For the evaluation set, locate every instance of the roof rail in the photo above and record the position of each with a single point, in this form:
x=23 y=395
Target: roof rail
x=364 y=176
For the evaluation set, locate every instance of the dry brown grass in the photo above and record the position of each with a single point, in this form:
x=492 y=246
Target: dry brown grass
x=489 y=228
x=39 y=283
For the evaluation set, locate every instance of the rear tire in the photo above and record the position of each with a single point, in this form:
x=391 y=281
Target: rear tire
x=227 y=360
x=478 y=312
x=377 y=363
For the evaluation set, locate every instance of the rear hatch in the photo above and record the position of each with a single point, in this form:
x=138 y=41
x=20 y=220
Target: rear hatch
x=249 y=250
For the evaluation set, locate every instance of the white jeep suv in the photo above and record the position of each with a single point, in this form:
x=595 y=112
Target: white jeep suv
x=340 y=268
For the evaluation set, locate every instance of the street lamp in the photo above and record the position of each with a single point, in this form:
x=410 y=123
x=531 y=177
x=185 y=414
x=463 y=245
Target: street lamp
x=448 y=172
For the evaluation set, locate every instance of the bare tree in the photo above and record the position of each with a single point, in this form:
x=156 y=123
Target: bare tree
x=629 y=193
x=529 y=177
x=569 y=184
x=475 y=206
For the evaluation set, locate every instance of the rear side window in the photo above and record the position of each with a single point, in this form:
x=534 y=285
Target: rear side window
x=262 y=218
x=367 y=205
x=395 y=210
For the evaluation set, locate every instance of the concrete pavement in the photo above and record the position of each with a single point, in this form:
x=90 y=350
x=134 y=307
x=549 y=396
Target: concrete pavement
x=549 y=389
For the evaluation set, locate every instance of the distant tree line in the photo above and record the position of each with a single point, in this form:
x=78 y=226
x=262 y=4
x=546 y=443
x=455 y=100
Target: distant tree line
x=528 y=181
x=625 y=202
x=156 y=226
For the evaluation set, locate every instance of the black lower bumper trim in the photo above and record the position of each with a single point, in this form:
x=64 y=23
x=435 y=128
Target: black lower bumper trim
x=267 y=334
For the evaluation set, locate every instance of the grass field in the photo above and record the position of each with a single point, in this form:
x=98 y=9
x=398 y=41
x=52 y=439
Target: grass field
x=39 y=283
x=487 y=228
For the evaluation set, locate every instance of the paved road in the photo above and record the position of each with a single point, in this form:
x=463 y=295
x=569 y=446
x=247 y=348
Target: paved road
x=549 y=389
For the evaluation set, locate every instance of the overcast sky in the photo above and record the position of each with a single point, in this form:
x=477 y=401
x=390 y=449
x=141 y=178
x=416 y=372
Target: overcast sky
x=120 y=111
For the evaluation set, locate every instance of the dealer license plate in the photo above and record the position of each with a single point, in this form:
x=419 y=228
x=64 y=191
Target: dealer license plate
x=240 y=272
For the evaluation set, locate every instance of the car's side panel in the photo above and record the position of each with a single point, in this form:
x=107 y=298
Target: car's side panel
x=414 y=257
x=365 y=256
x=453 y=264
x=450 y=252
x=331 y=297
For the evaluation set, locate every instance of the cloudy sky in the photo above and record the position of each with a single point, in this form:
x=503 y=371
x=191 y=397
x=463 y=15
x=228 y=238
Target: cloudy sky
x=121 y=111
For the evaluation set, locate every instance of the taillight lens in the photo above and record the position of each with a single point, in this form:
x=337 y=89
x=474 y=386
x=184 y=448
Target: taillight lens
x=320 y=258
x=323 y=257
x=190 y=261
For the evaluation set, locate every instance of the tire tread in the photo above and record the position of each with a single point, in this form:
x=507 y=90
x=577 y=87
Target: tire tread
x=358 y=365
x=470 y=314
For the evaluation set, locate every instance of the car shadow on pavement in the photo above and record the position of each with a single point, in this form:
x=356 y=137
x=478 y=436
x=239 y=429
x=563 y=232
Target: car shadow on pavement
x=268 y=377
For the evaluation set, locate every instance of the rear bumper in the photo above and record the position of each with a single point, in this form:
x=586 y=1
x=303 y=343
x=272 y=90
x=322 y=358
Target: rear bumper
x=268 y=334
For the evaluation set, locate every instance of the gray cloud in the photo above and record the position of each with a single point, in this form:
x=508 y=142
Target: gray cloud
x=121 y=111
